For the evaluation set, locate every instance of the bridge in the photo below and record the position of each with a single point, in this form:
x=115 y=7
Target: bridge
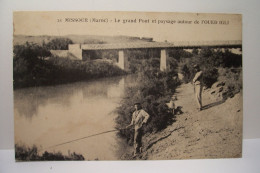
x=77 y=49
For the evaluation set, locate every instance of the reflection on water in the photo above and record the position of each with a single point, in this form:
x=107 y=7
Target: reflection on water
x=47 y=116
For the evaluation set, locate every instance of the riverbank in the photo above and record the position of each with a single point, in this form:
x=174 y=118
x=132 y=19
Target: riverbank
x=57 y=71
x=215 y=132
x=153 y=89
x=34 y=65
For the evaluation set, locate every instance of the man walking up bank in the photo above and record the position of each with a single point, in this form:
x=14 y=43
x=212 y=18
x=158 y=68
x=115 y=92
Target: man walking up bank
x=197 y=82
x=139 y=118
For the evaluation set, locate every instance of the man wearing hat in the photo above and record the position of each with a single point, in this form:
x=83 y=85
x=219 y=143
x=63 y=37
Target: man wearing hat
x=197 y=82
x=139 y=118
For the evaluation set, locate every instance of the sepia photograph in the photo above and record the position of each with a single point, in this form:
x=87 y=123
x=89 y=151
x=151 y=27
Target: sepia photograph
x=127 y=85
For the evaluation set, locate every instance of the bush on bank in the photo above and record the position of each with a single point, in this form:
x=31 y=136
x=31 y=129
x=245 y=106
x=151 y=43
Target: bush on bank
x=153 y=90
x=217 y=65
x=23 y=153
x=31 y=68
x=58 y=44
x=209 y=60
x=232 y=78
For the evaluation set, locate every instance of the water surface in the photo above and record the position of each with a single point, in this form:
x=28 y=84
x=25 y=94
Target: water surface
x=47 y=116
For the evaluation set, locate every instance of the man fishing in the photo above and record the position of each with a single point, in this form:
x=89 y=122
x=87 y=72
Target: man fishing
x=139 y=118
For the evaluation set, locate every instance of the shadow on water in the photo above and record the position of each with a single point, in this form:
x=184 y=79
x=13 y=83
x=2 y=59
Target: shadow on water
x=212 y=104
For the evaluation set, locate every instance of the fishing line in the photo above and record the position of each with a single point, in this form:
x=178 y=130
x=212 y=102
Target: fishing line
x=79 y=139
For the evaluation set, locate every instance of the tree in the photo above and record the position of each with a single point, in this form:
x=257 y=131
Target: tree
x=30 y=52
x=59 y=44
x=179 y=53
x=28 y=63
x=206 y=52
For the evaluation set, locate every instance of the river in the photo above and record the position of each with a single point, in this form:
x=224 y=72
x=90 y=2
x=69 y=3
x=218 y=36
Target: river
x=47 y=116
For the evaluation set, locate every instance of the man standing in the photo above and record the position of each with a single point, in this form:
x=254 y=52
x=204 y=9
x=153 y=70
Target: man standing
x=139 y=118
x=197 y=82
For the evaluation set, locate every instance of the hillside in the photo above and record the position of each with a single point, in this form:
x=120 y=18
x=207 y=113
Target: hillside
x=21 y=39
x=215 y=132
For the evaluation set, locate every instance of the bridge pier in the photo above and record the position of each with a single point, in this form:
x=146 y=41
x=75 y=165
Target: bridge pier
x=75 y=50
x=122 y=60
x=164 y=64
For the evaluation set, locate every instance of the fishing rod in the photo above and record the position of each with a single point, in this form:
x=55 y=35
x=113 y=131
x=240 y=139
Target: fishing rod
x=81 y=138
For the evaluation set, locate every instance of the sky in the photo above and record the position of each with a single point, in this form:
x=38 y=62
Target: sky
x=196 y=26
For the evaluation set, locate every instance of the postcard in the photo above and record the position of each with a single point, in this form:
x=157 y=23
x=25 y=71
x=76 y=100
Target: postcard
x=127 y=85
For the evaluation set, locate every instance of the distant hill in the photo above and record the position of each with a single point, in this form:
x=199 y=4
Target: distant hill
x=21 y=39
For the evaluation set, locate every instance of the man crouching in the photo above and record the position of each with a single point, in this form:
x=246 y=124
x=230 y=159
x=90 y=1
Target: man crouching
x=139 y=118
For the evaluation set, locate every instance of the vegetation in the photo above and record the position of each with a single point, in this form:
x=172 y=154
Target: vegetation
x=33 y=65
x=232 y=80
x=153 y=89
x=58 y=44
x=209 y=60
x=217 y=65
x=23 y=153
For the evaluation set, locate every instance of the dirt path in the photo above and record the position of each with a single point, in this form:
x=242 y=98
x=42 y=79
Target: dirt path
x=215 y=132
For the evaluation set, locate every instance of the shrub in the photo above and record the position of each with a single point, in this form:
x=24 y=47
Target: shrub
x=232 y=78
x=153 y=90
x=209 y=60
x=187 y=73
x=23 y=153
x=210 y=76
x=179 y=54
x=58 y=44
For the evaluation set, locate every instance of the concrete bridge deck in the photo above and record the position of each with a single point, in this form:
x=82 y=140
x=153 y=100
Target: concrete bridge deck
x=152 y=45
